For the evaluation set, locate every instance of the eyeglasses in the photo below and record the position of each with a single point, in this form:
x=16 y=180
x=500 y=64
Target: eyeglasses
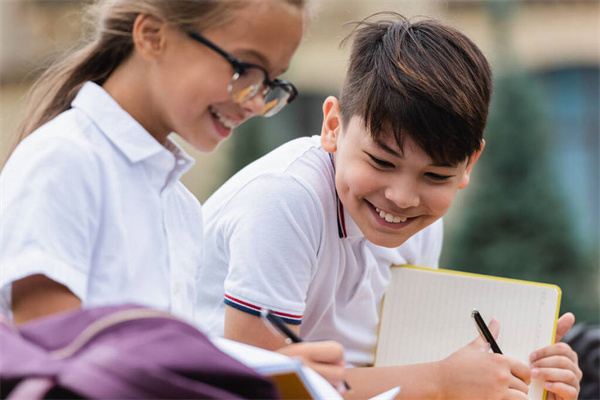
x=249 y=79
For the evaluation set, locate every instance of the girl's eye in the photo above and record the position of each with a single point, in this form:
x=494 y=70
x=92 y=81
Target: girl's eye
x=381 y=163
x=437 y=177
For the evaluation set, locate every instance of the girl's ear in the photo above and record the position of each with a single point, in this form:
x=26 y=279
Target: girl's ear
x=331 y=124
x=148 y=35
x=466 y=178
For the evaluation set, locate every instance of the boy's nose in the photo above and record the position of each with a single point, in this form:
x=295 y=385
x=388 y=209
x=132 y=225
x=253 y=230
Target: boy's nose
x=403 y=196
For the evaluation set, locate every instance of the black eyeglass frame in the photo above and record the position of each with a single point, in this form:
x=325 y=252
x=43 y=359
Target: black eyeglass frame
x=240 y=66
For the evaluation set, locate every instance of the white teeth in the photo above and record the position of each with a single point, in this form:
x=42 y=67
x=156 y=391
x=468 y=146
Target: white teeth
x=223 y=120
x=390 y=217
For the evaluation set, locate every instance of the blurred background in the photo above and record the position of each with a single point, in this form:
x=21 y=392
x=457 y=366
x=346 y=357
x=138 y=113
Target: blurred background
x=532 y=209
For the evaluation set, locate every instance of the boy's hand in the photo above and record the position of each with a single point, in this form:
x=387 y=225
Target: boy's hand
x=326 y=358
x=557 y=365
x=473 y=373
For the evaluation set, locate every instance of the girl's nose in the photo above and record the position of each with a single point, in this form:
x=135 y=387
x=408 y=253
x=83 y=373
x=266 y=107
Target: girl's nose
x=254 y=105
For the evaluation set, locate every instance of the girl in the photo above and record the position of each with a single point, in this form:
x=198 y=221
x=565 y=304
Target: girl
x=92 y=210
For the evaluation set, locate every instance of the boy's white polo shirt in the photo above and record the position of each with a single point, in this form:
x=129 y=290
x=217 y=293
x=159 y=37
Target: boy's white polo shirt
x=272 y=240
x=94 y=202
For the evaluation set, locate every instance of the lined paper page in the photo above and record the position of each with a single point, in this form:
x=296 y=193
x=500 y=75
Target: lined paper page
x=426 y=316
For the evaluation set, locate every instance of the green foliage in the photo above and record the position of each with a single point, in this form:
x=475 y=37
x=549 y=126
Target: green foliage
x=515 y=223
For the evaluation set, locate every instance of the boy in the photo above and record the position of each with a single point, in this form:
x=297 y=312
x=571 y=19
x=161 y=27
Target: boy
x=311 y=229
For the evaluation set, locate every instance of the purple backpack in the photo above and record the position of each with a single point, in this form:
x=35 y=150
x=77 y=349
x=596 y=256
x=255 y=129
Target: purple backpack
x=119 y=352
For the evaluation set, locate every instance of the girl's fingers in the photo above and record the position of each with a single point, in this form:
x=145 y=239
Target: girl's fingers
x=319 y=352
x=334 y=374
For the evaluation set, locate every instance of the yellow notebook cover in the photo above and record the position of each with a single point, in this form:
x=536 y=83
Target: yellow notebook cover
x=426 y=316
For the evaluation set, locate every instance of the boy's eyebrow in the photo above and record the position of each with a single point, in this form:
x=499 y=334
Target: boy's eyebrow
x=393 y=152
x=388 y=149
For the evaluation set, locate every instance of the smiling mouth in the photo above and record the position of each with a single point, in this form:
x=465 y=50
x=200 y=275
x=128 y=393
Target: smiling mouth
x=226 y=122
x=388 y=217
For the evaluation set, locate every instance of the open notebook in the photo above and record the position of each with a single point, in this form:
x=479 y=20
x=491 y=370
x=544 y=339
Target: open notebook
x=293 y=379
x=426 y=316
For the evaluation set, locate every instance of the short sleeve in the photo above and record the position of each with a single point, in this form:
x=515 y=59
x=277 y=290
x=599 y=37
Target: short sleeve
x=272 y=229
x=49 y=211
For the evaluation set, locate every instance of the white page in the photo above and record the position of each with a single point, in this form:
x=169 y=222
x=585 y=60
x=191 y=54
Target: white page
x=426 y=316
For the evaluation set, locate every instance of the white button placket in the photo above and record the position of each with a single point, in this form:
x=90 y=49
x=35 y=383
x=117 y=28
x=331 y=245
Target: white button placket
x=167 y=164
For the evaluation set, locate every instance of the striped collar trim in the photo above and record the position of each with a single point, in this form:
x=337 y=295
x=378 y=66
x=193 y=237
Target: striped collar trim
x=341 y=219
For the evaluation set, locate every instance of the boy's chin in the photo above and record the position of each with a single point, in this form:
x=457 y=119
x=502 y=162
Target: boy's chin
x=386 y=240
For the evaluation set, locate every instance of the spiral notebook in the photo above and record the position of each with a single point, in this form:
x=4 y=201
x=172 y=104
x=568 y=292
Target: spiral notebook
x=426 y=316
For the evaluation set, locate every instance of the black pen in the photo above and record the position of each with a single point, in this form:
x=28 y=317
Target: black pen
x=484 y=331
x=280 y=325
x=287 y=332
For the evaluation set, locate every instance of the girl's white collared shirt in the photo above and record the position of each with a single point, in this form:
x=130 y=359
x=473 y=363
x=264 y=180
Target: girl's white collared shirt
x=94 y=202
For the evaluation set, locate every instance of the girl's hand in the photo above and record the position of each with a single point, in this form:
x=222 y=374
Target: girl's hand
x=557 y=365
x=474 y=373
x=326 y=358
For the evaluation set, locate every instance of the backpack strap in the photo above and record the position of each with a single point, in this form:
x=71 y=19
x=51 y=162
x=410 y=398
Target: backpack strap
x=31 y=389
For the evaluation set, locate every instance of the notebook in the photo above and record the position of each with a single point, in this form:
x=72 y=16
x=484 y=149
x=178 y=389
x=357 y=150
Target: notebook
x=426 y=316
x=293 y=379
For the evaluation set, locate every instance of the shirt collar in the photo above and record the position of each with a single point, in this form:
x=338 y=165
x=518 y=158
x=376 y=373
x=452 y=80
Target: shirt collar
x=347 y=227
x=135 y=142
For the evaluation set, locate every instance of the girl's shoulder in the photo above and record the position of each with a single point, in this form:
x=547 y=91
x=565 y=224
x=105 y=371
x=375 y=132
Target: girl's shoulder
x=69 y=140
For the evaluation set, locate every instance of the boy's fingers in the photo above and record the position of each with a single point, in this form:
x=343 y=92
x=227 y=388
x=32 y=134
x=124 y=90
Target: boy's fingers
x=562 y=390
x=565 y=322
x=558 y=362
x=518 y=384
x=557 y=349
x=517 y=394
x=556 y=375
x=494 y=327
x=521 y=371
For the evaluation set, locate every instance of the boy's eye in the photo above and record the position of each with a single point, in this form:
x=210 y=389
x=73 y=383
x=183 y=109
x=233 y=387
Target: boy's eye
x=381 y=163
x=437 y=177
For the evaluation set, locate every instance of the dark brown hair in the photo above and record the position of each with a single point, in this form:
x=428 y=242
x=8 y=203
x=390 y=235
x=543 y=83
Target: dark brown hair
x=422 y=79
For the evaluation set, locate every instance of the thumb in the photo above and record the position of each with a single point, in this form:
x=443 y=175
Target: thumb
x=564 y=323
x=494 y=328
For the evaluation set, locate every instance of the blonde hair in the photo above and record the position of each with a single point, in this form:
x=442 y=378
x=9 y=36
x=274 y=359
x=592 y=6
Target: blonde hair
x=110 y=42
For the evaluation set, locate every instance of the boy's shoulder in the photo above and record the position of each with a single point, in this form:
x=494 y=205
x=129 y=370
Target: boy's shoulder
x=302 y=160
x=299 y=170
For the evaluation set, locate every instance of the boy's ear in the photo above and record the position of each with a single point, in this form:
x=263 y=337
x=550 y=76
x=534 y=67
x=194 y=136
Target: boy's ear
x=466 y=178
x=148 y=35
x=331 y=124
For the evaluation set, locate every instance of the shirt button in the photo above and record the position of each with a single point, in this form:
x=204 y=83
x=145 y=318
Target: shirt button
x=176 y=288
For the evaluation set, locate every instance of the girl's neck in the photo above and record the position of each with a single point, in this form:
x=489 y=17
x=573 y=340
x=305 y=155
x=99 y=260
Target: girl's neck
x=129 y=86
